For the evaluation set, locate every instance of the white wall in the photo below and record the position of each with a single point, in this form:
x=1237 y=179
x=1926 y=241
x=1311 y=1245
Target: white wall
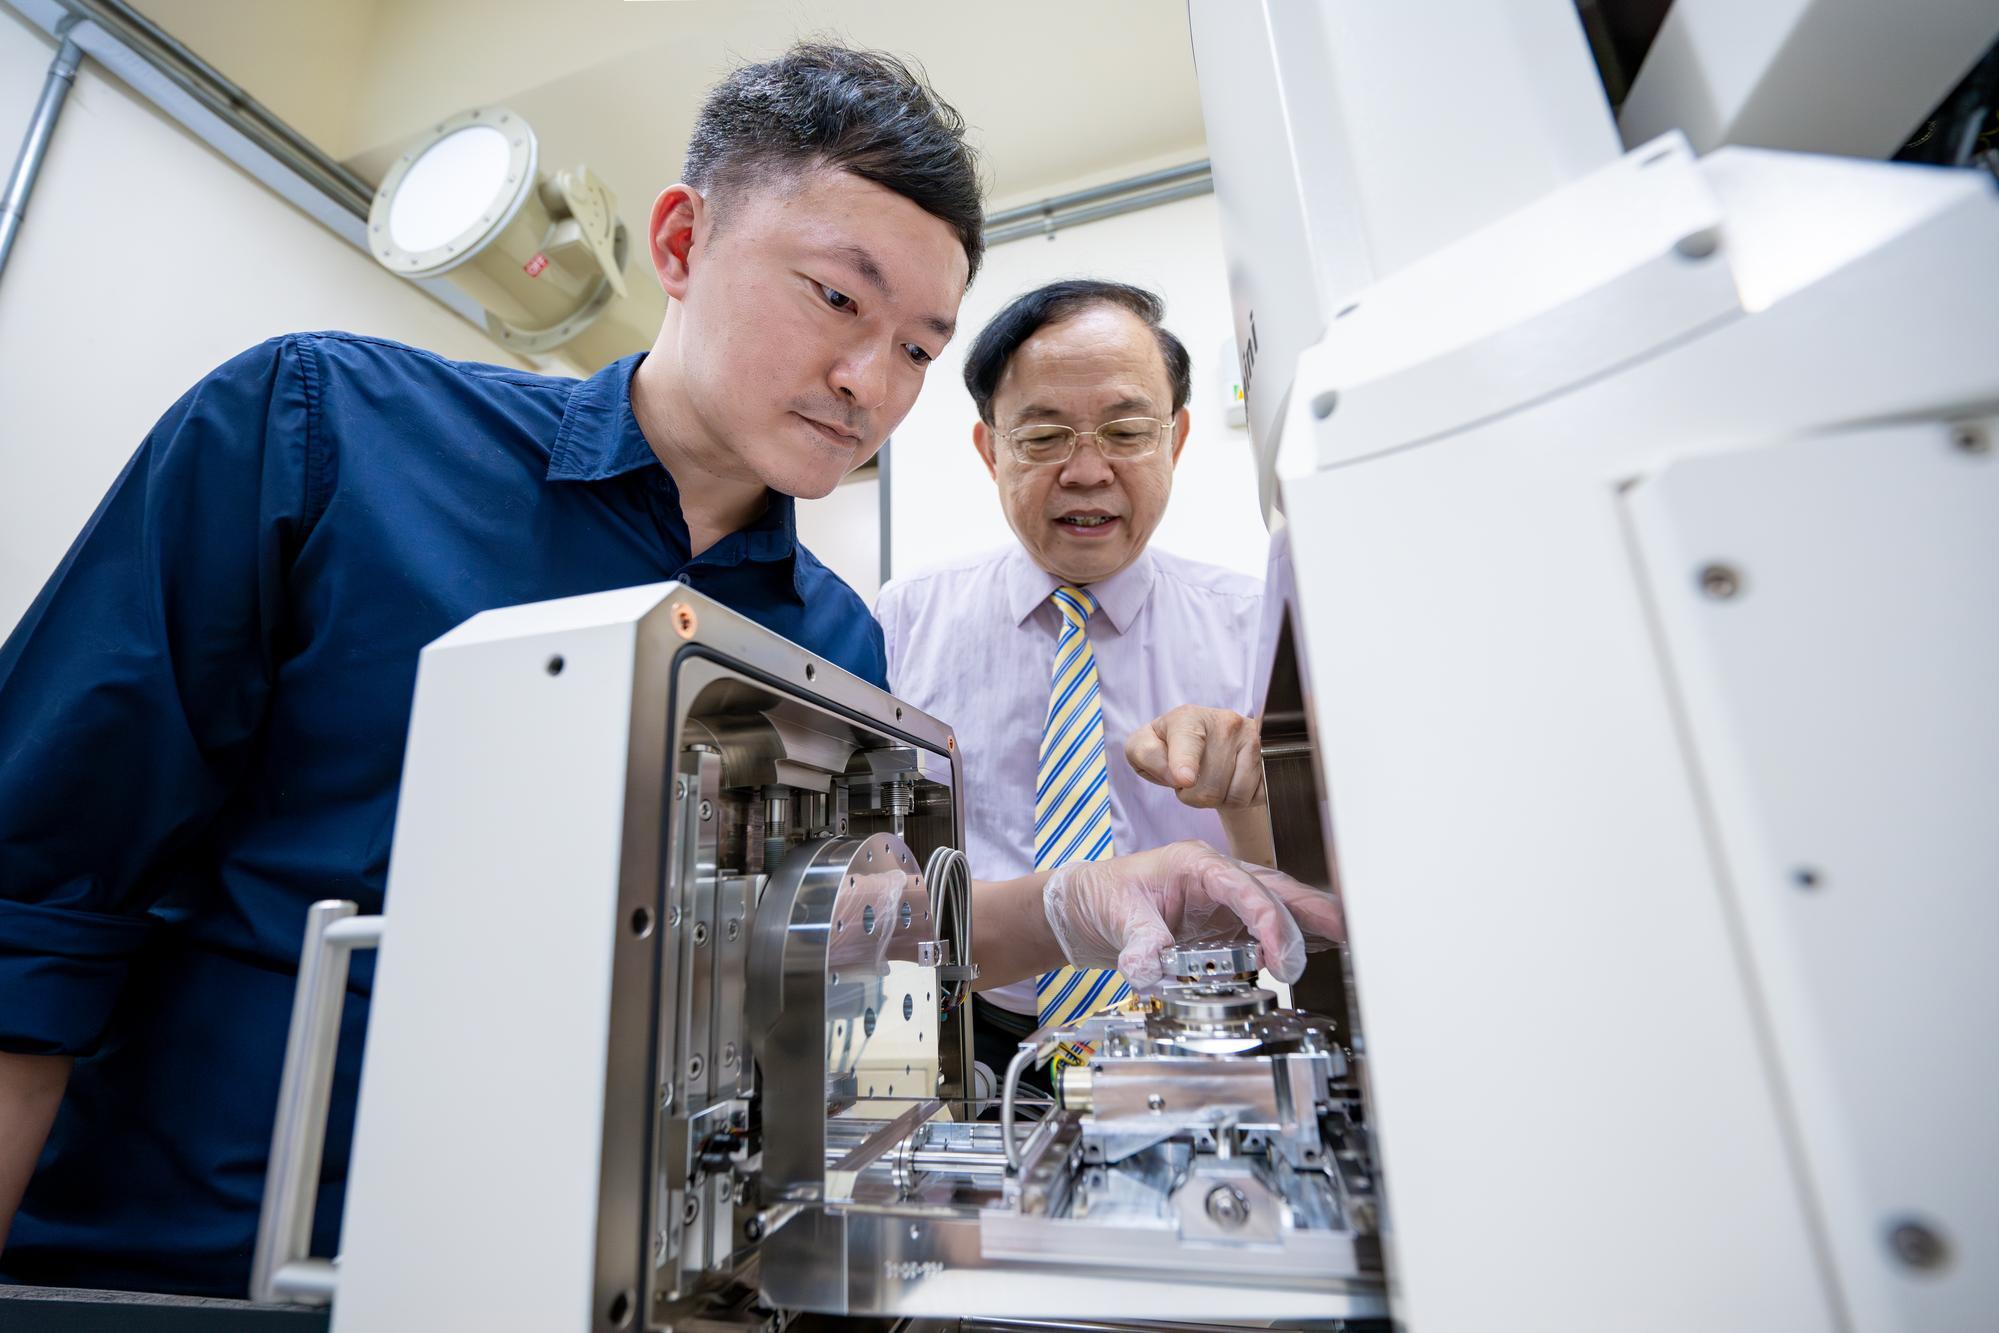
x=845 y=531
x=942 y=502
x=145 y=260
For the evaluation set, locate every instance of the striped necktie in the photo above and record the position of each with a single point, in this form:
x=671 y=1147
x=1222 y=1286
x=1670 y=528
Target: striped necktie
x=1072 y=805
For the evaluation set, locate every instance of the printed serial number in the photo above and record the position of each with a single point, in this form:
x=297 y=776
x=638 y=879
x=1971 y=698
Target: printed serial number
x=908 y=1270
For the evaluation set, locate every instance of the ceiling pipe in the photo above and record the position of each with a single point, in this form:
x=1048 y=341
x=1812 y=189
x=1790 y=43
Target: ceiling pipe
x=1050 y=215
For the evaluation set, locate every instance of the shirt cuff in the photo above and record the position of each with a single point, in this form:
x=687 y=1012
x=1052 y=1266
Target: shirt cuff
x=60 y=974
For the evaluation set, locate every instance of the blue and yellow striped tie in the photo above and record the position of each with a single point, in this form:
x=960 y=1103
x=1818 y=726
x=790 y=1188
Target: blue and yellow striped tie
x=1072 y=806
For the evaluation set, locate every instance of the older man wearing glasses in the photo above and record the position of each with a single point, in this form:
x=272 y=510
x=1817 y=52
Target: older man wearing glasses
x=1099 y=689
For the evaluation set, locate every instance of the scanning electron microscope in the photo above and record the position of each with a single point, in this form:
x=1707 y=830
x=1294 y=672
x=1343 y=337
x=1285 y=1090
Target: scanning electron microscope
x=1629 y=651
x=733 y=1087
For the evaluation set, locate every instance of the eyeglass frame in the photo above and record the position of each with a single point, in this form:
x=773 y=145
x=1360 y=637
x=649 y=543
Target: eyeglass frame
x=1165 y=430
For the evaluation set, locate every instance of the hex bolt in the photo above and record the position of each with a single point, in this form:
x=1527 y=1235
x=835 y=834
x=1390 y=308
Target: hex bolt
x=1917 y=1245
x=1720 y=581
x=1227 y=1206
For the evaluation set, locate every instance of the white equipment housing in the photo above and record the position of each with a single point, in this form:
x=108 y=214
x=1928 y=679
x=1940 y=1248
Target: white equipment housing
x=1636 y=593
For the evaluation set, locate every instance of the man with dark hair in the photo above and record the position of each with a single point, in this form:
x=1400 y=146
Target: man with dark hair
x=203 y=715
x=1084 y=636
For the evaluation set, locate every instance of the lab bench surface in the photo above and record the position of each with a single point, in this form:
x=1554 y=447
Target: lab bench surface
x=67 y=1310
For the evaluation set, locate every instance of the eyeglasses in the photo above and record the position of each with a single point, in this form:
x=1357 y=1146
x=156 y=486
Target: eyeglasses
x=1127 y=438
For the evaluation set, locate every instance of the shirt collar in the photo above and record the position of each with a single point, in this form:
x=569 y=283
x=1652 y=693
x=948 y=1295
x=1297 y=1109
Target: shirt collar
x=1119 y=598
x=600 y=439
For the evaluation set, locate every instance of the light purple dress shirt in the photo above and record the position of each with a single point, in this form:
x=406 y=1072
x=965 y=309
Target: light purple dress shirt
x=971 y=643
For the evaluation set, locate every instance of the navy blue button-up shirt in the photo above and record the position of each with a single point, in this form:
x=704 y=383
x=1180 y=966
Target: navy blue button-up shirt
x=202 y=721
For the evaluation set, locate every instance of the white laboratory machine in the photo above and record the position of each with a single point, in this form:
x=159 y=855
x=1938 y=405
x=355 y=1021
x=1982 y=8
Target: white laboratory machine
x=1632 y=639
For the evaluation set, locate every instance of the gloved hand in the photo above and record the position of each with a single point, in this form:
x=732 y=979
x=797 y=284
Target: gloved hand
x=1122 y=912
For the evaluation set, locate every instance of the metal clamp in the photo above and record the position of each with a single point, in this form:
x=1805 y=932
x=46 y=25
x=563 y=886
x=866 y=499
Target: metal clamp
x=282 y=1268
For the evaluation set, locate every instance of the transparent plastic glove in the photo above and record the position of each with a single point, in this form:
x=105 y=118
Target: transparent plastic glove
x=1123 y=912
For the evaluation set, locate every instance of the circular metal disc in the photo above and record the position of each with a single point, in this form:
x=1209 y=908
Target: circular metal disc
x=487 y=156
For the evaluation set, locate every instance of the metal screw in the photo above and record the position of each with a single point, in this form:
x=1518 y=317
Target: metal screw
x=674 y=918
x=1155 y=1101
x=753 y=1229
x=666 y=1095
x=1917 y=1245
x=694 y=1067
x=732 y=928
x=1720 y=582
x=1227 y=1206
x=729 y=1054
x=690 y=1210
x=700 y=933
x=1970 y=439
x=707 y=809
x=680 y=789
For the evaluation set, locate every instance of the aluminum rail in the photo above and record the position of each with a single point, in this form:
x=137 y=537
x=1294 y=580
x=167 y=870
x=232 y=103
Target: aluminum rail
x=1188 y=171
x=35 y=144
x=1054 y=222
x=226 y=99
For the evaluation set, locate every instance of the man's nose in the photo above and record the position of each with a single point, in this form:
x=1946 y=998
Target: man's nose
x=1087 y=466
x=861 y=378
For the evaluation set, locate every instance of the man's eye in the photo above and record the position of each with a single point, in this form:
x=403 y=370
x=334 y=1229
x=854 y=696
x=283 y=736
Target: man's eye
x=917 y=354
x=837 y=299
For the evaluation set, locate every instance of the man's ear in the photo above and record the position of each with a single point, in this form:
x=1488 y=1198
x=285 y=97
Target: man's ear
x=1183 y=421
x=982 y=440
x=676 y=215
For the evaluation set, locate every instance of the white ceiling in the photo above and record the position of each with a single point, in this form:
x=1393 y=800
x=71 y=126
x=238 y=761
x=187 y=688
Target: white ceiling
x=1058 y=93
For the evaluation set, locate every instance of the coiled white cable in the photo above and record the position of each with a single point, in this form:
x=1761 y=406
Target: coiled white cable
x=949 y=877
